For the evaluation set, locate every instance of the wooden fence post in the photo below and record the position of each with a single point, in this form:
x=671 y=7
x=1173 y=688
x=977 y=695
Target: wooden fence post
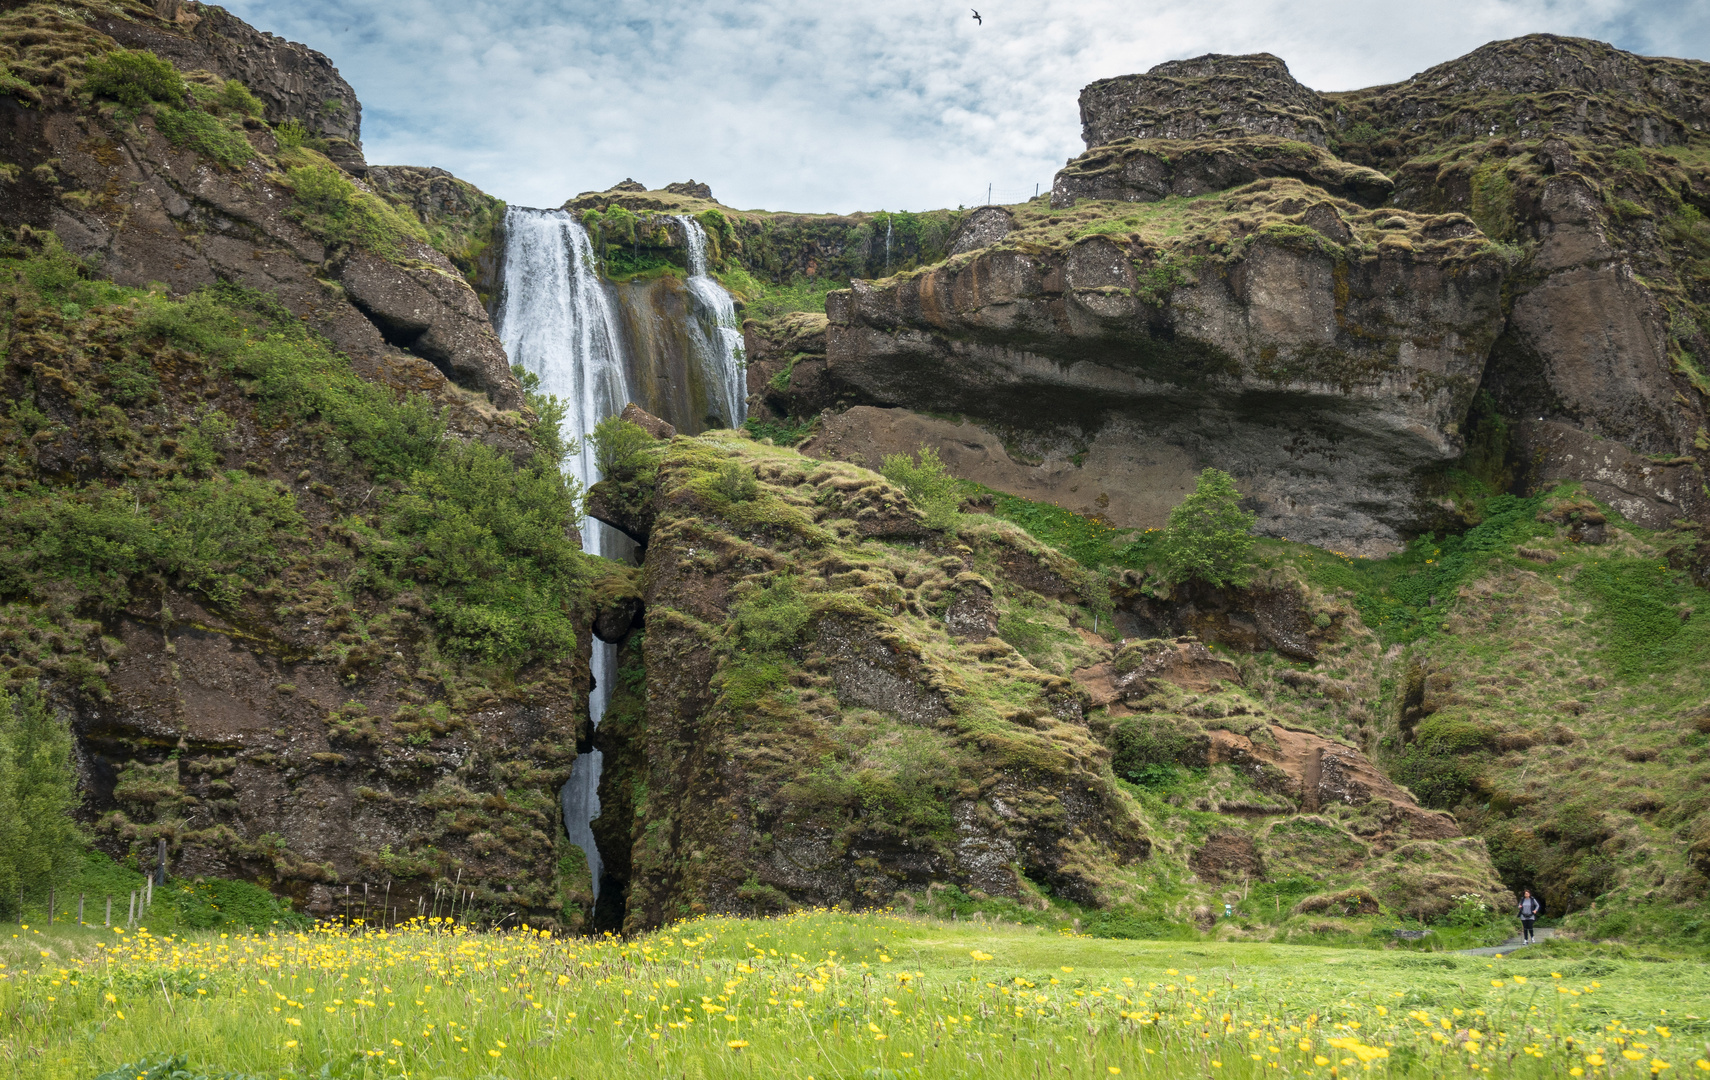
x=80 y=909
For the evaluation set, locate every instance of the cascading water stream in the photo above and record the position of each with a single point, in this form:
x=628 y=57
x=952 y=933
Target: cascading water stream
x=558 y=322
x=887 y=245
x=713 y=332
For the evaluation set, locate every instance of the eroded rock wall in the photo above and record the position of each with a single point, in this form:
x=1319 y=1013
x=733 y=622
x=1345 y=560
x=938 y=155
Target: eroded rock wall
x=1324 y=369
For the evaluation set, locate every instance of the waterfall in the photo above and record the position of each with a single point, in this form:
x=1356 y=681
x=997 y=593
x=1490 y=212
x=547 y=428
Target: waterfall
x=713 y=333
x=557 y=321
x=887 y=245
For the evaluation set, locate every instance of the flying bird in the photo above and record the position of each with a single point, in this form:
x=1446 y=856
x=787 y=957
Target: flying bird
x=977 y=18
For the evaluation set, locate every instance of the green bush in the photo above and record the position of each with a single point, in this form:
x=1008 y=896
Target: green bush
x=771 y=618
x=1147 y=751
x=134 y=78
x=291 y=134
x=1209 y=536
x=735 y=482
x=928 y=485
x=492 y=537
x=623 y=451
x=1630 y=159
x=235 y=96
x=40 y=843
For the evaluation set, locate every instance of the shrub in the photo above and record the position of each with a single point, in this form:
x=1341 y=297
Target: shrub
x=1630 y=159
x=928 y=485
x=291 y=134
x=235 y=96
x=134 y=78
x=1209 y=536
x=735 y=482
x=39 y=842
x=622 y=450
x=771 y=618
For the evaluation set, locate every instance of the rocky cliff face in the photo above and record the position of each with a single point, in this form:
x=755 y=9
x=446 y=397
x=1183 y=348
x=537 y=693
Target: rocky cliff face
x=1570 y=296
x=276 y=389
x=1208 y=95
x=821 y=711
x=1334 y=350
x=150 y=207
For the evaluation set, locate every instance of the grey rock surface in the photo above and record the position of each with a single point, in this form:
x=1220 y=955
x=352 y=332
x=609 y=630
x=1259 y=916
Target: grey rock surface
x=1207 y=95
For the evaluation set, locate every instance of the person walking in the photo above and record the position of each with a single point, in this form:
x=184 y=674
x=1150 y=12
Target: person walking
x=1530 y=909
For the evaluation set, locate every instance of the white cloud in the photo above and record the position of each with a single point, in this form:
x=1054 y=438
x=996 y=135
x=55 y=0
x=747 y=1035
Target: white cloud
x=896 y=104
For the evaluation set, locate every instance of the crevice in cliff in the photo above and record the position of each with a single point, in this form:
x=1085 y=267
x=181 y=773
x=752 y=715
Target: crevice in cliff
x=412 y=337
x=621 y=739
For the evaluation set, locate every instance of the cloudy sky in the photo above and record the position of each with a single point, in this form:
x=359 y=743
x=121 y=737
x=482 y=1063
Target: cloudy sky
x=843 y=105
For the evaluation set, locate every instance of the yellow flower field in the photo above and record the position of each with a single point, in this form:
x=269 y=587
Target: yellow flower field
x=821 y=995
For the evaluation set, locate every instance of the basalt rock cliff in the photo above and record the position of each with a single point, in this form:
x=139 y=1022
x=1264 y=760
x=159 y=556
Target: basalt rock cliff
x=290 y=548
x=1228 y=257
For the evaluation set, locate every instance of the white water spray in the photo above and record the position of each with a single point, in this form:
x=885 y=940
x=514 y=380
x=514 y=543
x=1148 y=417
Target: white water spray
x=713 y=332
x=558 y=322
x=887 y=245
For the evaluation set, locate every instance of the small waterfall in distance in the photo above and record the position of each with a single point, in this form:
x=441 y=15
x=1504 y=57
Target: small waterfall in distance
x=713 y=332
x=557 y=321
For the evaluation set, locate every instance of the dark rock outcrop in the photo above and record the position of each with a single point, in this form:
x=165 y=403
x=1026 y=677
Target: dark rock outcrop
x=691 y=188
x=1331 y=373
x=147 y=210
x=427 y=309
x=982 y=228
x=1146 y=170
x=1208 y=95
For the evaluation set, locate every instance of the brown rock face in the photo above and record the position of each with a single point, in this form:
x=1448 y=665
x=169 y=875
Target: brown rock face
x=298 y=772
x=647 y=422
x=1208 y=95
x=978 y=770
x=1187 y=664
x=1228 y=856
x=1328 y=380
x=427 y=309
x=1587 y=342
x=1649 y=493
x=1146 y=170
x=1544 y=83
x=982 y=228
x=1321 y=772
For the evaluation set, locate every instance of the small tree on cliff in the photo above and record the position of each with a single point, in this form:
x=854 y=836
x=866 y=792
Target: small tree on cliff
x=39 y=842
x=1209 y=536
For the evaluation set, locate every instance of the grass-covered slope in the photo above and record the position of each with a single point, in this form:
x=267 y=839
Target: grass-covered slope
x=839 y=700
